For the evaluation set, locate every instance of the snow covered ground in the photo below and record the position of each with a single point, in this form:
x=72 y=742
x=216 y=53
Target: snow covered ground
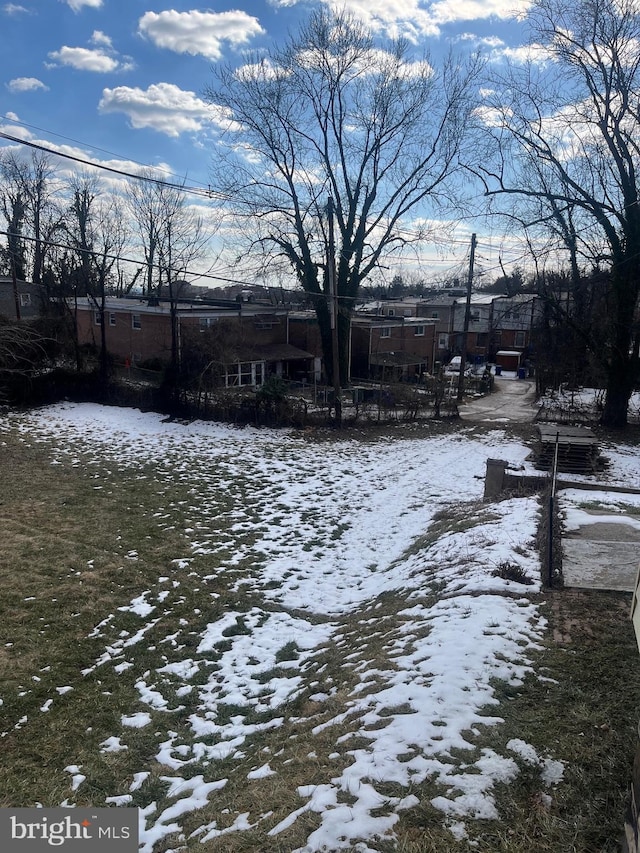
x=306 y=535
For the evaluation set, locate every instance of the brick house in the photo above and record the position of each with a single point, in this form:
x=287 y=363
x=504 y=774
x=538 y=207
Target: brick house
x=139 y=332
x=392 y=348
x=439 y=309
x=30 y=299
x=512 y=321
x=495 y=323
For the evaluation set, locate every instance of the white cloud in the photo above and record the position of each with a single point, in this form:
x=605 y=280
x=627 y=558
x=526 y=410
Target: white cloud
x=264 y=70
x=449 y=11
x=84 y=59
x=14 y=9
x=163 y=107
x=77 y=5
x=407 y=18
x=15 y=130
x=535 y=53
x=198 y=33
x=98 y=37
x=414 y=19
x=25 y=84
x=484 y=41
x=101 y=58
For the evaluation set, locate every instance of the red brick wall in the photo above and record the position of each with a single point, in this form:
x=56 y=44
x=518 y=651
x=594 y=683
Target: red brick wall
x=304 y=333
x=152 y=340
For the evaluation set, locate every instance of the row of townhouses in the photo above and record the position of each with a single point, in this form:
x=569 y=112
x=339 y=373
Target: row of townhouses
x=392 y=340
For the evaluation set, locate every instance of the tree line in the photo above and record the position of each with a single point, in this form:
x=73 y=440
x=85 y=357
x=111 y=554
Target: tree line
x=343 y=150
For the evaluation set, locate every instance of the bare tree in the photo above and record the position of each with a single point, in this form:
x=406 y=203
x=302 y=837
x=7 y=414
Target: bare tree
x=14 y=211
x=25 y=351
x=182 y=238
x=97 y=230
x=145 y=206
x=173 y=236
x=30 y=180
x=332 y=115
x=568 y=138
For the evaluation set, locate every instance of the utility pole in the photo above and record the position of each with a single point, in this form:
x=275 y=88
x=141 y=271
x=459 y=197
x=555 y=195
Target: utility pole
x=467 y=316
x=333 y=313
x=14 y=281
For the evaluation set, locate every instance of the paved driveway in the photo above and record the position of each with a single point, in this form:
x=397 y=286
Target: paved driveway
x=512 y=400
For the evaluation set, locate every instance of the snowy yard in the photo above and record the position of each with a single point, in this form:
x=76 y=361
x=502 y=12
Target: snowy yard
x=325 y=639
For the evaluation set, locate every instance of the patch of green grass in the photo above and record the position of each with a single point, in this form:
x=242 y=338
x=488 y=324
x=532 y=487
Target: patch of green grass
x=289 y=651
x=613 y=508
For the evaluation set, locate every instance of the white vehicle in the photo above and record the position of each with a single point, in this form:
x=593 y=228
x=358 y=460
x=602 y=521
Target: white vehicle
x=453 y=368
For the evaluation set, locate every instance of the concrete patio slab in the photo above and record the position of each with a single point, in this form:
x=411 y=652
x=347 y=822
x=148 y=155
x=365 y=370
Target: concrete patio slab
x=600 y=564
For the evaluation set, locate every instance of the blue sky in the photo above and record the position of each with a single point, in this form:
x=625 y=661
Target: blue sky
x=124 y=81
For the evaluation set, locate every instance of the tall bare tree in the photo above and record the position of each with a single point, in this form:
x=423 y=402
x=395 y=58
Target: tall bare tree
x=97 y=230
x=31 y=178
x=173 y=236
x=333 y=115
x=14 y=211
x=567 y=132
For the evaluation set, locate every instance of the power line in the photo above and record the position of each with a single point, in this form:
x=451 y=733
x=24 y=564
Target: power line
x=207 y=193
x=200 y=192
x=135 y=262
x=96 y=148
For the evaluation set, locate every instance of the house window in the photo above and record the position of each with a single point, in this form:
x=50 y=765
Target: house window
x=96 y=318
x=435 y=315
x=25 y=299
x=385 y=332
x=391 y=312
x=136 y=321
x=247 y=373
x=112 y=318
x=419 y=331
x=443 y=341
x=519 y=339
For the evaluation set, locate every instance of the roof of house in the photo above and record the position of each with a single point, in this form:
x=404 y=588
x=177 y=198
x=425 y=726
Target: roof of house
x=269 y=352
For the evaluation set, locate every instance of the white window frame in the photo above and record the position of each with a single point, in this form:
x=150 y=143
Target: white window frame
x=385 y=332
x=245 y=374
x=519 y=339
x=419 y=331
x=96 y=318
x=112 y=318
x=136 y=322
x=25 y=300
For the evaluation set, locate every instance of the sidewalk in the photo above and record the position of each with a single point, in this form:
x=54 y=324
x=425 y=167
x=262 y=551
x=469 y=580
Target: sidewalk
x=600 y=550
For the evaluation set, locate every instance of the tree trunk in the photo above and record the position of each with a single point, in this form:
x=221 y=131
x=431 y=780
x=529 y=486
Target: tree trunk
x=622 y=364
x=344 y=325
x=614 y=414
x=620 y=384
